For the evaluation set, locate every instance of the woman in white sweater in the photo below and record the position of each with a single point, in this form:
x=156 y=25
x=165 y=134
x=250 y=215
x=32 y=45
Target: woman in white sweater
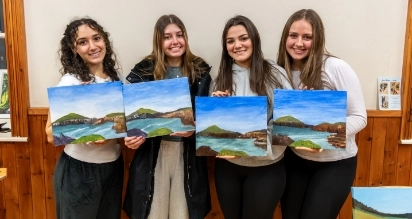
x=318 y=181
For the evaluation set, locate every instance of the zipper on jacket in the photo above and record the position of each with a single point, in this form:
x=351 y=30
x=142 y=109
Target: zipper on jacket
x=188 y=172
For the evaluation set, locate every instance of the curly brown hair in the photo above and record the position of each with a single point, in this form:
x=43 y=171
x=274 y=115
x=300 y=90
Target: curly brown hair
x=72 y=63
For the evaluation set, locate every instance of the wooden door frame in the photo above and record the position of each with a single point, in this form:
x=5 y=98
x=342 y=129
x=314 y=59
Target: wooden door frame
x=406 y=124
x=16 y=56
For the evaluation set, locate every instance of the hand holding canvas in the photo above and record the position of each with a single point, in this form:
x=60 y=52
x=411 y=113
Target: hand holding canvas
x=134 y=142
x=183 y=134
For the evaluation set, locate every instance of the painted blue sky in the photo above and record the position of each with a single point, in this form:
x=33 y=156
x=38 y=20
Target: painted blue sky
x=93 y=100
x=162 y=96
x=240 y=114
x=386 y=200
x=311 y=106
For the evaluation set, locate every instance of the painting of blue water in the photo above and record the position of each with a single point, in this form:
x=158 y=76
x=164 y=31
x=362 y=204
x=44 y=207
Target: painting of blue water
x=86 y=113
x=382 y=202
x=158 y=108
x=309 y=118
x=231 y=126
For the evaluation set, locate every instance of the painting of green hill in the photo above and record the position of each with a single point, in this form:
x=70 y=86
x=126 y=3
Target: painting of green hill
x=215 y=129
x=145 y=111
x=70 y=116
x=290 y=119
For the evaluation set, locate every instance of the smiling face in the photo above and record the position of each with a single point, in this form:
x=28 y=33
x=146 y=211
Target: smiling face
x=239 y=45
x=299 y=42
x=174 y=44
x=90 y=46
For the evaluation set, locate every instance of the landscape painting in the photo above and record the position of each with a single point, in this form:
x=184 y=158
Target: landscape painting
x=382 y=202
x=158 y=108
x=4 y=95
x=86 y=113
x=231 y=126
x=309 y=118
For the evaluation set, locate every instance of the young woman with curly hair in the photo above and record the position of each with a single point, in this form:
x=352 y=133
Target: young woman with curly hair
x=88 y=177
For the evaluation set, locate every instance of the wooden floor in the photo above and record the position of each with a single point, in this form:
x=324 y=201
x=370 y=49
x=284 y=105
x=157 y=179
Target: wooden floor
x=27 y=192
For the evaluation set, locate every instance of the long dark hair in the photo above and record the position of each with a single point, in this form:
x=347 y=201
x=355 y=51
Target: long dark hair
x=72 y=63
x=262 y=74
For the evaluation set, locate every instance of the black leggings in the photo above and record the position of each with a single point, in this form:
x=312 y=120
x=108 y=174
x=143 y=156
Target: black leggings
x=316 y=189
x=249 y=192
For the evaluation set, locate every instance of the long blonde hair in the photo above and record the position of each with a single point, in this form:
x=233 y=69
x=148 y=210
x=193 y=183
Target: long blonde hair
x=190 y=66
x=311 y=74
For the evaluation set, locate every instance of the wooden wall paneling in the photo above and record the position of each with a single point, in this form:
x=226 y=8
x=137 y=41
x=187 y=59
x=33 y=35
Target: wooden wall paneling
x=216 y=212
x=410 y=167
x=346 y=210
x=403 y=172
x=364 y=147
x=2 y=202
x=391 y=151
x=24 y=180
x=49 y=161
x=278 y=212
x=37 y=167
x=127 y=157
x=11 y=195
x=378 y=141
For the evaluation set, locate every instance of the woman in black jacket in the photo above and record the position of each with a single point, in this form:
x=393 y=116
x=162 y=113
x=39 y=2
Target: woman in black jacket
x=166 y=179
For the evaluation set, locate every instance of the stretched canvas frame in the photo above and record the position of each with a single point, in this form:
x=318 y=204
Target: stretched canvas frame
x=86 y=113
x=310 y=118
x=158 y=108
x=232 y=126
x=382 y=202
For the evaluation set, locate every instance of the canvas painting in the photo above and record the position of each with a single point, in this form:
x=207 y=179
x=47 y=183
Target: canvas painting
x=86 y=113
x=231 y=126
x=4 y=95
x=382 y=202
x=158 y=108
x=309 y=118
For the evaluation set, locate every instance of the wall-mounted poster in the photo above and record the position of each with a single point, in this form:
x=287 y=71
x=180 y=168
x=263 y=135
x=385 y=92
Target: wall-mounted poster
x=158 y=108
x=382 y=202
x=4 y=95
x=309 y=118
x=389 y=93
x=87 y=113
x=231 y=126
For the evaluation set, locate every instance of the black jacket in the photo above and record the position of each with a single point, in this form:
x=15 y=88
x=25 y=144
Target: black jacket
x=139 y=193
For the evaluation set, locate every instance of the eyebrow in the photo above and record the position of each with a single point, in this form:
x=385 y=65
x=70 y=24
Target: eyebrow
x=173 y=32
x=238 y=36
x=82 y=38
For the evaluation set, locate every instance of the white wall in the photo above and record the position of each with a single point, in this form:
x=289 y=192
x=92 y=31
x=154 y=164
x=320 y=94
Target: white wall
x=367 y=34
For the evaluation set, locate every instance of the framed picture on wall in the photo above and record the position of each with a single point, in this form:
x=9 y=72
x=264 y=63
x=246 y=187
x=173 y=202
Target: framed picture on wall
x=4 y=95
